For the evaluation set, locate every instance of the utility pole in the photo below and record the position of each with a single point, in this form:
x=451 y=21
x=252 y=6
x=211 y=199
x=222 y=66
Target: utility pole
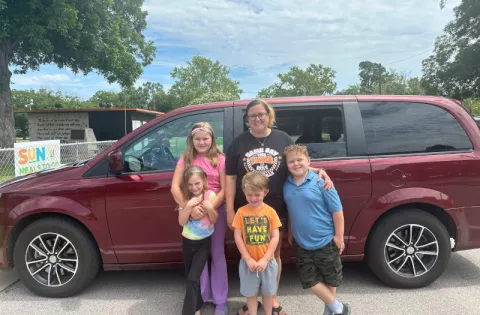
x=380 y=78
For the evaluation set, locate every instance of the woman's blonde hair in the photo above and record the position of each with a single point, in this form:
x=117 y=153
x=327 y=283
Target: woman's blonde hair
x=189 y=172
x=269 y=109
x=190 y=152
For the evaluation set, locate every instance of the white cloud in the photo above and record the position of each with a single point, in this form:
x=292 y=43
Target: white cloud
x=259 y=39
x=41 y=79
x=270 y=35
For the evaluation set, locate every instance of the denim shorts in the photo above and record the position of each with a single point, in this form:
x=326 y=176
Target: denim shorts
x=251 y=282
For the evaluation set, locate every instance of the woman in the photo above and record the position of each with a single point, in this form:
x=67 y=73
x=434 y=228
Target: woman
x=261 y=149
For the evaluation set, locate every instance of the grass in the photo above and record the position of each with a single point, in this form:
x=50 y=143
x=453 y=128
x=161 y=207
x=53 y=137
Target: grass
x=6 y=172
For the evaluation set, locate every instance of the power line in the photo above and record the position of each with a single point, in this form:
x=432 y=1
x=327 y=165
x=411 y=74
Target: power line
x=391 y=63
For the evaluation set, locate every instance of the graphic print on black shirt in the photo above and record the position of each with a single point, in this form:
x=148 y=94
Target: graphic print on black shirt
x=264 y=160
x=245 y=154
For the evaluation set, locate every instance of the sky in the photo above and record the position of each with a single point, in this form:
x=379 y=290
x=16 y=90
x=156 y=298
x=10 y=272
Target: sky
x=259 y=39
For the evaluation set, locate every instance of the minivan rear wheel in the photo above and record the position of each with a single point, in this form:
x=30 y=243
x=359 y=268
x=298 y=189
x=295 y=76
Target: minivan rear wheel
x=55 y=257
x=408 y=249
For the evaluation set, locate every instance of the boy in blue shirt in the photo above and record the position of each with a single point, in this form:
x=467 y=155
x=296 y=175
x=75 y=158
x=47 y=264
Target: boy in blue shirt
x=316 y=227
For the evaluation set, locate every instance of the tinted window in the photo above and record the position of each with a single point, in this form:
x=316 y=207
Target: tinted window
x=160 y=149
x=402 y=127
x=321 y=130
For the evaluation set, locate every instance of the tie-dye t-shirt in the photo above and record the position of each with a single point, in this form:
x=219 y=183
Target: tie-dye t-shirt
x=200 y=229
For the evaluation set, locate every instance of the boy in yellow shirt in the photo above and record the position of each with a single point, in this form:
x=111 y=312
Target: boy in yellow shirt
x=256 y=235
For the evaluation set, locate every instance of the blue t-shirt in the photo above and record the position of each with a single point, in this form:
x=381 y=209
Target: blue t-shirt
x=310 y=209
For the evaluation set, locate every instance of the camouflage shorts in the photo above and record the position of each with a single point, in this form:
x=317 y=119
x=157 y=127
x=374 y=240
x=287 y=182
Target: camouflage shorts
x=319 y=265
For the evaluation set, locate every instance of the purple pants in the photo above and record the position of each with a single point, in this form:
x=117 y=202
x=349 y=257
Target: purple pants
x=215 y=286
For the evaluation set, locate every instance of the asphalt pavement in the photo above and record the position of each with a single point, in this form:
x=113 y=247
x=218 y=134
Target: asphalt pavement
x=160 y=292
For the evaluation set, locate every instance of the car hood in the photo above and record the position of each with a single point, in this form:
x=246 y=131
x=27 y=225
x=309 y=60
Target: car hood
x=23 y=180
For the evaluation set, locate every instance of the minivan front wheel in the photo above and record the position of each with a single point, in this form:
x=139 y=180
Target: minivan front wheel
x=408 y=249
x=55 y=257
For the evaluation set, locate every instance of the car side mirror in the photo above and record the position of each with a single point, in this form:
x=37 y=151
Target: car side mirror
x=115 y=161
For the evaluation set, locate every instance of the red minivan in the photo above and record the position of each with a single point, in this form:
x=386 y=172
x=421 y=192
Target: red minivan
x=406 y=169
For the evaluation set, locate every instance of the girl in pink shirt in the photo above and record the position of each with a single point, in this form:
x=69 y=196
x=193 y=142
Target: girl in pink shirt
x=202 y=151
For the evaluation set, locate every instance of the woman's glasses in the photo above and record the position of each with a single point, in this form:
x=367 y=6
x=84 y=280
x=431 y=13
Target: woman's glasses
x=259 y=115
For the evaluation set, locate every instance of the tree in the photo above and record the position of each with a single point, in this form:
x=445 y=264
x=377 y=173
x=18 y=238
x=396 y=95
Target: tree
x=83 y=36
x=211 y=97
x=376 y=79
x=202 y=76
x=454 y=68
x=354 y=89
x=314 y=80
x=141 y=97
x=371 y=75
x=109 y=97
x=44 y=99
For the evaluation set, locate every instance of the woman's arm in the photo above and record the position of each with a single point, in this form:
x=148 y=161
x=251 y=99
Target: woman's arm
x=176 y=190
x=220 y=198
x=230 y=191
x=211 y=212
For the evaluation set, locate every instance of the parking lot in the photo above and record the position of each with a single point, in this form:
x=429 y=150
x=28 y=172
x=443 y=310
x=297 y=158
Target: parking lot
x=161 y=292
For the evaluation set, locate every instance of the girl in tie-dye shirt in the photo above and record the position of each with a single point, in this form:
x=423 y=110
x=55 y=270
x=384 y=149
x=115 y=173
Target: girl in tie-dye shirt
x=196 y=241
x=203 y=228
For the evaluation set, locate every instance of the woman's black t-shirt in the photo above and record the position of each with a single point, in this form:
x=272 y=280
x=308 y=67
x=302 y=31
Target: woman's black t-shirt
x=246 y=154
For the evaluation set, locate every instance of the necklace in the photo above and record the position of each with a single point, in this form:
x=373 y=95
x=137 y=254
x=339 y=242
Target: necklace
x=261 y=143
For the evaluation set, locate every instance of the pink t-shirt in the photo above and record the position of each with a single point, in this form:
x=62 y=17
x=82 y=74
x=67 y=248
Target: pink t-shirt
x=213 y=174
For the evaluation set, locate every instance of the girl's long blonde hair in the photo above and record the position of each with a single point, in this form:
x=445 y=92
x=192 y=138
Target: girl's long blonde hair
x=190 y=152
x=189 y=172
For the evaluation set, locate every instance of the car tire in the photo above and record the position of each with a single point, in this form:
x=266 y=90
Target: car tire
x=416 y=266
x=67 y=265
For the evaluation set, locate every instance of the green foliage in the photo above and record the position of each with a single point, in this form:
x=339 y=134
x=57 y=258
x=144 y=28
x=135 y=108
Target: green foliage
x=314 y=80
x=105 y=35
x=45 y=99
x=473 y=105
x=354 y=89
x=202 y=76
x=211 y=97
x=109 y=97
x=371 y=75
x=454 y=68
x=141 y=97
x=86 y=35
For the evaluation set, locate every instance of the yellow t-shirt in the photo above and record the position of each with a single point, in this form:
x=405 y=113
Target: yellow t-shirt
x=256 y=226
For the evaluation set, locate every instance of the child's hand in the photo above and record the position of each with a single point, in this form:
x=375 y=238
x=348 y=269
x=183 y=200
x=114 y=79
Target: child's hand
x=198 y=212
x=252 y=265
x=262 y=264
x=339 y=242
x=193 y=202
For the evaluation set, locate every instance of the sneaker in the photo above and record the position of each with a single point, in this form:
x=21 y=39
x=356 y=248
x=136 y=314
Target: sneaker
x=346 y=310
x=221 y=309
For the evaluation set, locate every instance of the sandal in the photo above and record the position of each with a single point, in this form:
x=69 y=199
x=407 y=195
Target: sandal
x=278 y=311
x=244 y=309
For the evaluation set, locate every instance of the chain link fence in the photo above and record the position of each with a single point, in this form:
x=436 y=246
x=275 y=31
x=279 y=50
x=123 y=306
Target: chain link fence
x=69 y=153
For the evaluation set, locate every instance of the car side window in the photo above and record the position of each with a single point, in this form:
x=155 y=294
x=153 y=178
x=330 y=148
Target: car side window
x=403 y=127
x=160 y=149
x=321 y=130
